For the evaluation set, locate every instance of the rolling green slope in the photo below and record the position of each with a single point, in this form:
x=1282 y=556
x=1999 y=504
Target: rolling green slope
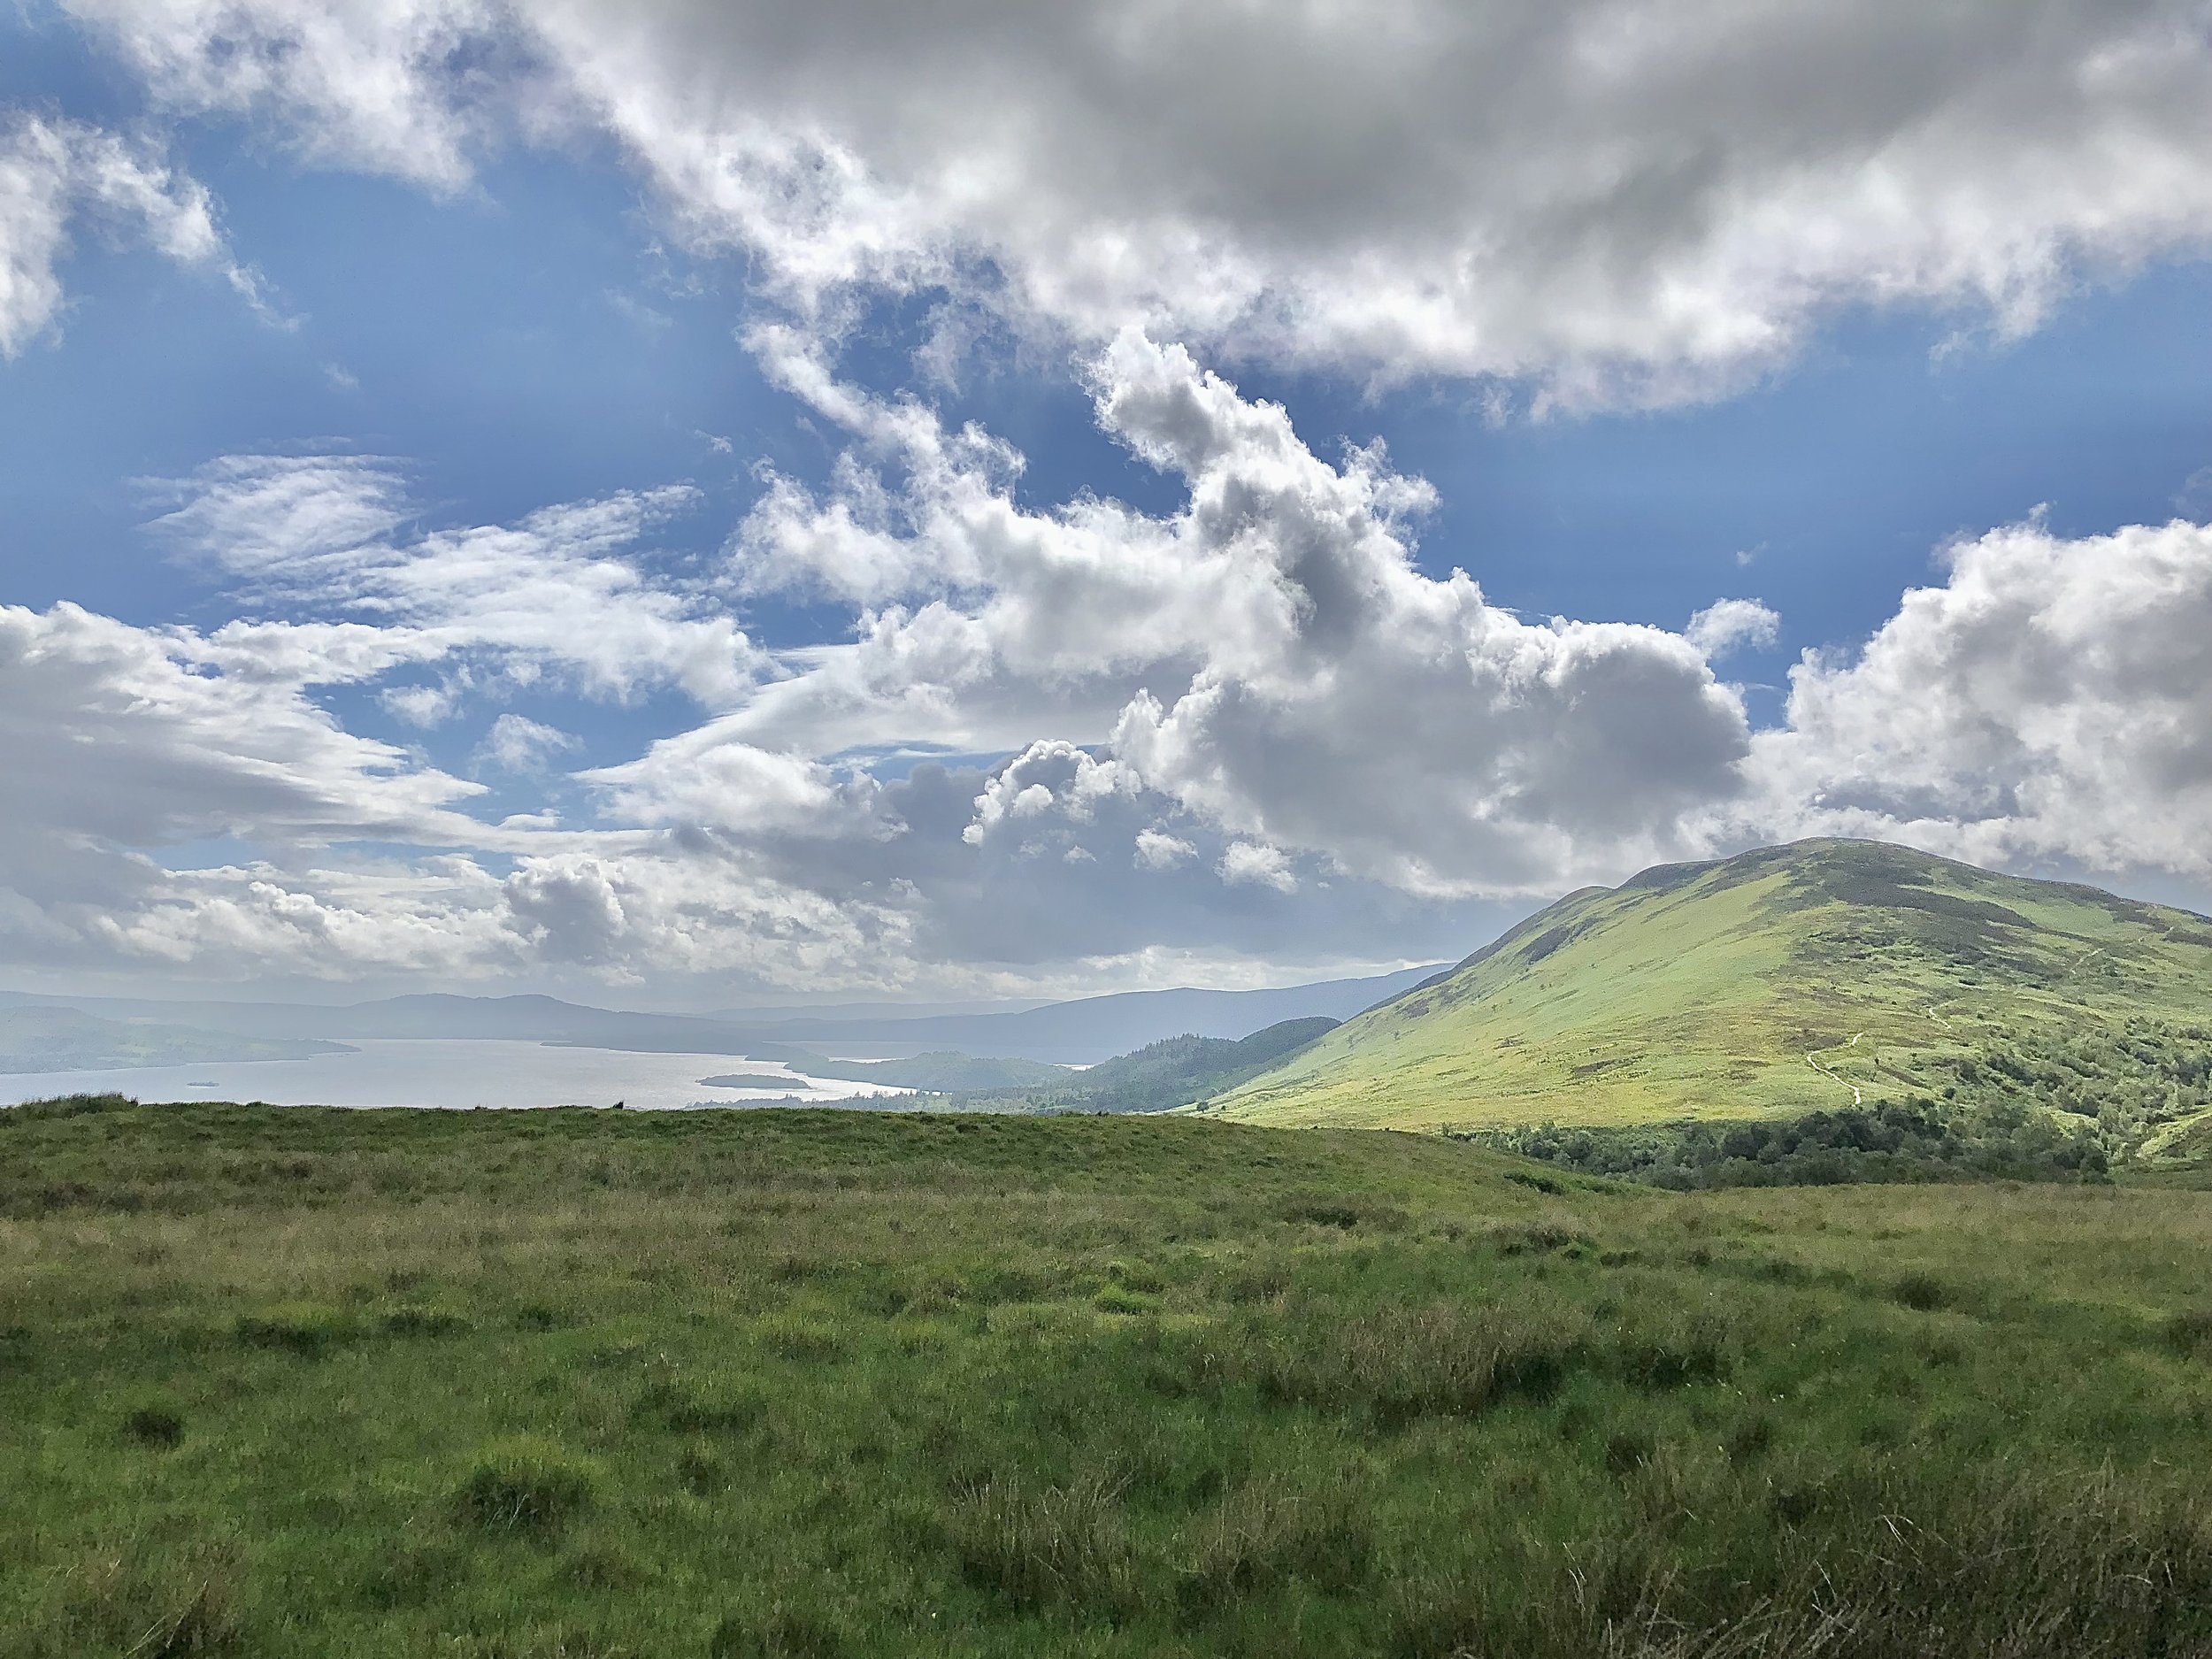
x=1789 y=980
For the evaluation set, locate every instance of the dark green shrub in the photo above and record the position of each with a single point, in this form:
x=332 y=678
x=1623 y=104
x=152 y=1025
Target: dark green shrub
x=154 y=1425
x=1627 y=1450
x=308 y=1329
x=701 y=1409
x=1539 y=1238
x=2190 y=1332
x=1656 y=1355
x=1920 y=1292
x=702 y=1471
x=1751 y=1440
x=1262 y=1535
x=420 y=1321
x=1140 y=1277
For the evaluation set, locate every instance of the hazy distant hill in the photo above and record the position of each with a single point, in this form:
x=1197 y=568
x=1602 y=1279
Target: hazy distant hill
x=1101 y=1027
x=36 y=1038
x=528 y=1018
x=1784 y=980
x=1077 y=1033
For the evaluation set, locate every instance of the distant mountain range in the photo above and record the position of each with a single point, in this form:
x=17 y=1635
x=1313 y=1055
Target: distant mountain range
x=1101 y=1027
x=1827 y=974
x=1075 y=1033
x=36 y=1038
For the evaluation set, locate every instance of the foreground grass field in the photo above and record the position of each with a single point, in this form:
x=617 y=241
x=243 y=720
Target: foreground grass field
x=792 y=1383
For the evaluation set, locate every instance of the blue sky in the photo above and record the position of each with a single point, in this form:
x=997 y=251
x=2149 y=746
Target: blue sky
x=454 y=333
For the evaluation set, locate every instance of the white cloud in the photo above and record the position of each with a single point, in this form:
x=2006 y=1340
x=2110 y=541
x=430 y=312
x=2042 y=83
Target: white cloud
x=2194 y=497
x=2051 y=700
x=1614 y=204
x=402 y=87
x=1248 y=862
x=124 y=746
x=423 y=706
x=1274 y=662
x=1322 y=709
x=1050 y=776
x=1617 y=199
x=519 y=744
x=129 y=741
x=558 y=593
x=285 y=520
x=1279 y=671
x=1156 y=849
x=1727 y=624
x=54 y=173
x=702 y=779
x=136 y=753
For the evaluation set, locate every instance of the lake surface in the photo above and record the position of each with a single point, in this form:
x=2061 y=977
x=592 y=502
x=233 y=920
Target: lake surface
x=449 y=1073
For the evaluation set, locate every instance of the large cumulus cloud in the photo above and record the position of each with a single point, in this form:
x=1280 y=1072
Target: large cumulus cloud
x=174 y=804
x=1268 y=657
x=1613 y=199
x=1247 y=731
x=2051 y=700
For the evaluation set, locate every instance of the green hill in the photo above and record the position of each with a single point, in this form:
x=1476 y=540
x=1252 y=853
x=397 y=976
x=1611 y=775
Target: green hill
x=1820 y=975
x=1161 y=1076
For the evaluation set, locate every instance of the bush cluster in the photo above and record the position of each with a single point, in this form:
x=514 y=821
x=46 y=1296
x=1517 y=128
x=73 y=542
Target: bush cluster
x=1920 y=1140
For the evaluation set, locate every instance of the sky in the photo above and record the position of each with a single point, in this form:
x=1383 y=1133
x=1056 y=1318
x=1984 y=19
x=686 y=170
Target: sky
x=683 y=504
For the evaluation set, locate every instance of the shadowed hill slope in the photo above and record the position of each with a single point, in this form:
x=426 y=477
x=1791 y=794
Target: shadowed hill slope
x=1789 y=980
x=1160 y=1076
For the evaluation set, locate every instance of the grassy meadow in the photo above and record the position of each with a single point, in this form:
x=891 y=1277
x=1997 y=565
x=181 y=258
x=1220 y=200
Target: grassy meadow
x=290 y=1381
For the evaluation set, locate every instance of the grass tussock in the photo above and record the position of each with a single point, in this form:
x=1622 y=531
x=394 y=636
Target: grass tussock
x=1266 y=1535
x=160 y=1598
x=523 y=1486
x=1050 y=1547
x=1401 y=1364
x=2005 y=1567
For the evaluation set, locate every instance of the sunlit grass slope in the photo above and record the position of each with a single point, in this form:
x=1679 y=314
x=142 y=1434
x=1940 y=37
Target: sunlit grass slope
x=1785 y=980
x=295 y=1384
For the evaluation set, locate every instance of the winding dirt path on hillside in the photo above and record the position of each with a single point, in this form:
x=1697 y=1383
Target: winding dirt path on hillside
x=1857 y=1098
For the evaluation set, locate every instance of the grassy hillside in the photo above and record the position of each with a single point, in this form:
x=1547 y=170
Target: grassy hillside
x=626 y=1385
x=1820 y=975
